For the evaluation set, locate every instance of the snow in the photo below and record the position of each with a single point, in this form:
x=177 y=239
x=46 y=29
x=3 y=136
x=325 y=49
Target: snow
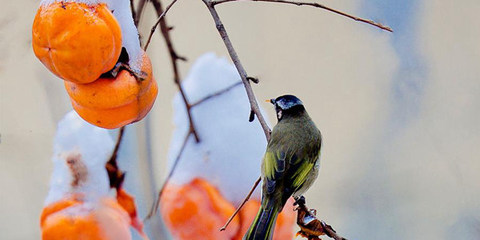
x=123 y=14
x=231 y=148
x=89 y=2
x=92 y=145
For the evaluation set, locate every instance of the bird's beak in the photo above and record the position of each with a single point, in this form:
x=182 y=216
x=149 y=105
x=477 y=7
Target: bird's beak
x=272 y=101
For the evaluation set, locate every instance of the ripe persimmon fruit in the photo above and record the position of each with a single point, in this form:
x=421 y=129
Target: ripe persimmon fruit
x=76 y=41
x=197 y=210
x=75 y=220
x=115 y=102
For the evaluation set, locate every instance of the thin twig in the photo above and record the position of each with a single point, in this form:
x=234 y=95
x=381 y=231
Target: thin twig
x=317 y=5
x=155 y=206
x=160 y=17
x=241 y=205
x=115 y=175
x=241 y=70
x=134 y=12
x=174 y=57
x=139 y=13
x=215 y=94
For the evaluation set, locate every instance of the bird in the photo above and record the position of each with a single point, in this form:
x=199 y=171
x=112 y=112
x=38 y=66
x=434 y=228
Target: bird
x=290 y=164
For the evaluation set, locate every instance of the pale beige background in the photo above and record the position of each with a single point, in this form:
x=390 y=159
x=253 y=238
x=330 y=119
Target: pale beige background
x=378 y=180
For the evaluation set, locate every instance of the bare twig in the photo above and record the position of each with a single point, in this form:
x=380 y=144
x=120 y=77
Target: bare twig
x=215 y=94
x=160 y=17
x=317 y=5
x=174 y=58
x=139 y=11
x=241 y=205
x=115 y=175
x=155 y=206
x=134 y=12
x=241 y=71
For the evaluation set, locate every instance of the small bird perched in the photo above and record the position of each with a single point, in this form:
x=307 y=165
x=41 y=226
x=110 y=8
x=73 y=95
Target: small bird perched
x=290 y=165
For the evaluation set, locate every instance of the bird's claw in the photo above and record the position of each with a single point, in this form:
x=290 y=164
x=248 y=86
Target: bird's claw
x=299 y=201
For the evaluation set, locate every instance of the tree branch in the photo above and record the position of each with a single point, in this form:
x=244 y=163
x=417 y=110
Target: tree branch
x=174 y=58
x=161 y=14
x=241 y=205
x=215 y=94
x=317 y=5
x=140 y=8
x=241 y=70
x=134 y=12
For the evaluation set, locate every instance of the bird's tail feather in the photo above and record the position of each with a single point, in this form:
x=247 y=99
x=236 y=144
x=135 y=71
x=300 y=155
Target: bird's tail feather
x=264 y=223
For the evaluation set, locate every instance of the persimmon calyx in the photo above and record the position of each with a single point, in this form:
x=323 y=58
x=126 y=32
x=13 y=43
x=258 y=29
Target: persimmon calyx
x=138 y=74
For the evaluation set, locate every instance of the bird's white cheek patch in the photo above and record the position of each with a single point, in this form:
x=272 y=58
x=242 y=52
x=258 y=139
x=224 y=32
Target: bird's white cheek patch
x=279 y=114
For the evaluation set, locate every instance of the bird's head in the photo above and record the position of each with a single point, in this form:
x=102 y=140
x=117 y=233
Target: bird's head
x=287 y=105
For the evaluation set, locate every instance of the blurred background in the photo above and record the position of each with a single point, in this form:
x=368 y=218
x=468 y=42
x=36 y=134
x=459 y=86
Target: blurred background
x=399 y=112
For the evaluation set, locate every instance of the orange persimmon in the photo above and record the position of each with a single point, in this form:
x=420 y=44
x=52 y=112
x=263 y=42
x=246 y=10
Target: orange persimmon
x=115 y=102
x=76 y=41
x=74 y=219
x=197 y=210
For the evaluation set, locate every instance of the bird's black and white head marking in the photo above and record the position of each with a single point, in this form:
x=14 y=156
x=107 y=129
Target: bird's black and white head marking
x=287 y=104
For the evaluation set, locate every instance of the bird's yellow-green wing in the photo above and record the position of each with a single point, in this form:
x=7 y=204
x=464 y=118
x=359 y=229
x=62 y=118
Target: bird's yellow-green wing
x=287 y=169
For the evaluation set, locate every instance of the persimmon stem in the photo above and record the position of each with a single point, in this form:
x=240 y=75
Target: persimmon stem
x=241 y=205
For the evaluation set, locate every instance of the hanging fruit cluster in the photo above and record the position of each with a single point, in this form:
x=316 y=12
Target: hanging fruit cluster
x=82 y=43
